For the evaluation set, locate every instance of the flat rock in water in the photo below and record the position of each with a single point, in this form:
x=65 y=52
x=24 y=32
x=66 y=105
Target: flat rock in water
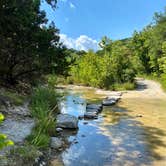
x=113 y=98
x=109 y=102
x=94 y=106
x=90 y=115
x=67 y=121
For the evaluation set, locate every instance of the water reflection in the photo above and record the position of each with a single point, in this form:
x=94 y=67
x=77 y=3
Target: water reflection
x=113 y=139
x=73 y=105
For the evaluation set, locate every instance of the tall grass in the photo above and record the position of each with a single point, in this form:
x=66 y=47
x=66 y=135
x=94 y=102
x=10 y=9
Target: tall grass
x=44 y=109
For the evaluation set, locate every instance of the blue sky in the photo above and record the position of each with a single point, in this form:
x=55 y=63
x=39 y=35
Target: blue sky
x=86 y=21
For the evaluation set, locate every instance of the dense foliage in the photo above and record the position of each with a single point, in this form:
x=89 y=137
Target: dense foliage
x=29 y=46
x=149 y=48
x=106 y=68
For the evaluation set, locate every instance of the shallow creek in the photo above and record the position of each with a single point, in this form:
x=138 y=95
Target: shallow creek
x=131 y=133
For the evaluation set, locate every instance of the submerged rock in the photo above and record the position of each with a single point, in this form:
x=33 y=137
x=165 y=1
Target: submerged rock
x=67 y=121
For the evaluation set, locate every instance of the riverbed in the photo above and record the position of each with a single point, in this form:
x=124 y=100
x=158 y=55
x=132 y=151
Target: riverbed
x=130 y=133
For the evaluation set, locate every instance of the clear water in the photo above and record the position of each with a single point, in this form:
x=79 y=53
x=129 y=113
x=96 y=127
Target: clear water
x=115 y=138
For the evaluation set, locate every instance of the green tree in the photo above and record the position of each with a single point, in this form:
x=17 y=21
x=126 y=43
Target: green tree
x=29 y=46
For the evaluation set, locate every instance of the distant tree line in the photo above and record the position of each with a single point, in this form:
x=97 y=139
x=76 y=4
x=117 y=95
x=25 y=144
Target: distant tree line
x=118 y=62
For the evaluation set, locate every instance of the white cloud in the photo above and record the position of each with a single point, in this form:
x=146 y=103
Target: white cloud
x=72 y=6
x=81 y=43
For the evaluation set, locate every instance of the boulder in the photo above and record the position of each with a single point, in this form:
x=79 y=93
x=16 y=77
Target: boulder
x=56 y=143
x=67 y=121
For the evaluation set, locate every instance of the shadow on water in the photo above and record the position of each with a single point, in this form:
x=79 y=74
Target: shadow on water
x=115 y=138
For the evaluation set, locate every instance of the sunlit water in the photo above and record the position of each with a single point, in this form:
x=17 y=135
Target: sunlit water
x=117 y=137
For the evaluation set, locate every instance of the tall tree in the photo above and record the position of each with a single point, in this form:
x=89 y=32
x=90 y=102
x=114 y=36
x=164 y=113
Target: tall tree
x=29 y=46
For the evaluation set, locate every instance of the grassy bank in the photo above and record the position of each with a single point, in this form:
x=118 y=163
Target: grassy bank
x=43 y=109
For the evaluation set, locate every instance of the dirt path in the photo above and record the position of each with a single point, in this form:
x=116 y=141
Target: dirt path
x=146 y=89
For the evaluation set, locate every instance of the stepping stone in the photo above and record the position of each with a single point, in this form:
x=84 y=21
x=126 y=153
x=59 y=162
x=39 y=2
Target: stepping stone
x=94 y=106
x=92 y=110
x=116 y=98
x=90 y=115
x=109 y=102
